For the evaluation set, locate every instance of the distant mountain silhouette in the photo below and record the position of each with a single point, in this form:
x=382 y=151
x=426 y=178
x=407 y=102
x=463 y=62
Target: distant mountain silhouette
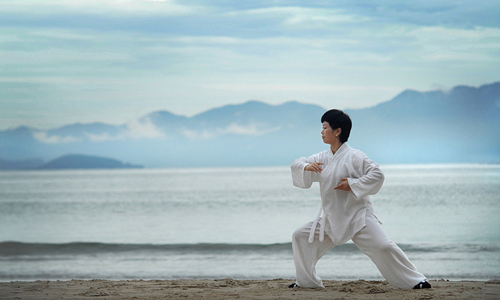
x=458 y=126
x=462 y=125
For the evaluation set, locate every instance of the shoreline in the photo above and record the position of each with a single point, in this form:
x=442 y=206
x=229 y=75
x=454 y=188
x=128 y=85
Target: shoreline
x=242 y=289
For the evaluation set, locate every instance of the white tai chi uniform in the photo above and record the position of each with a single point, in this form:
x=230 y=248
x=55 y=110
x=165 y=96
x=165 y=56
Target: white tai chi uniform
x=344 y=216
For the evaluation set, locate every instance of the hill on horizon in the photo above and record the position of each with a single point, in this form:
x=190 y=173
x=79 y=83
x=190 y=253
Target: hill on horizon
x=458 y=126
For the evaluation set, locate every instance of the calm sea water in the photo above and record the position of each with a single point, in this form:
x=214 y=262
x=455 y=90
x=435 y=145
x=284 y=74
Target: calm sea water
x=235 y=222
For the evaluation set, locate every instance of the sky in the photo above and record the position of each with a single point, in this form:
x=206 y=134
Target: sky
x=113 y=61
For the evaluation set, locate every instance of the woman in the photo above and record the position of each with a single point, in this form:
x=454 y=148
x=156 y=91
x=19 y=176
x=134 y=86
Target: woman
x=346 y=177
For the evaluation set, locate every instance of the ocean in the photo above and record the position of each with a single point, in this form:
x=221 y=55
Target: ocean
x=235 y=223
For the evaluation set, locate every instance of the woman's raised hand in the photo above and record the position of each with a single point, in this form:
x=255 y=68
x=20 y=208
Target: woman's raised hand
x=314 y=167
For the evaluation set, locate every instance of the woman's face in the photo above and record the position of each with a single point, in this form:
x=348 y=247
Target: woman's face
x=328 y=134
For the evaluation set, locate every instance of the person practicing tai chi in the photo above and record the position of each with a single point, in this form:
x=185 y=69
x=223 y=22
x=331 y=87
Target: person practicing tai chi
x=346 y=178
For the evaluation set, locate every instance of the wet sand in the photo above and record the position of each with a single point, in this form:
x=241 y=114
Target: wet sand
x=241 y=289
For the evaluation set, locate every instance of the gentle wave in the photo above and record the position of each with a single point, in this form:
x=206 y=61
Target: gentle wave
x=17 y=248
x=8 y=249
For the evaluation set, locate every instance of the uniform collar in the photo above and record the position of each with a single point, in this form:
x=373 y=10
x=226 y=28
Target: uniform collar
x=340 y=150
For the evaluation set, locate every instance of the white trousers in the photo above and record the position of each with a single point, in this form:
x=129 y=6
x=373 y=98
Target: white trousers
x=391 y=261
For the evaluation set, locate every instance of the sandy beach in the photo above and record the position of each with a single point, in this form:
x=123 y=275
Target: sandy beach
x=241 y=289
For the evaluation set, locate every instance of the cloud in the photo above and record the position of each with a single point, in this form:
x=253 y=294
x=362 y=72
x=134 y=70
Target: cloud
x=44 y=79
x=298 y=17
x=199 y=135
x=135 y=7
x=103 y=137
x=253 y=129
x=477 y=45
x=250 y=129
x=143 y=129
x=43 y=137
x=297 y=87
x=448 y=13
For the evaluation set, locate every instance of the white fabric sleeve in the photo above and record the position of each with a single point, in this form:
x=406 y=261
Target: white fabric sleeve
x=300 y=177
x=370 y=182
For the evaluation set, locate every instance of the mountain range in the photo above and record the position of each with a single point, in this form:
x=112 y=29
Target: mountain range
x=461 y=125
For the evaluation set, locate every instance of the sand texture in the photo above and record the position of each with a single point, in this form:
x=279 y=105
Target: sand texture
x=242 y=289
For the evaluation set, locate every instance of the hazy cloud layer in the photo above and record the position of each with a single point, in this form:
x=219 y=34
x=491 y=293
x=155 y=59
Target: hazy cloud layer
x=112 y=61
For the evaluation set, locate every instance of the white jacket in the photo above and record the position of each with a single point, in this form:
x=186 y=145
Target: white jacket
x=343 y=212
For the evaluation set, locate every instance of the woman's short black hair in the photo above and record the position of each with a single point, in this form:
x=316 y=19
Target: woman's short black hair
x=338 y=119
